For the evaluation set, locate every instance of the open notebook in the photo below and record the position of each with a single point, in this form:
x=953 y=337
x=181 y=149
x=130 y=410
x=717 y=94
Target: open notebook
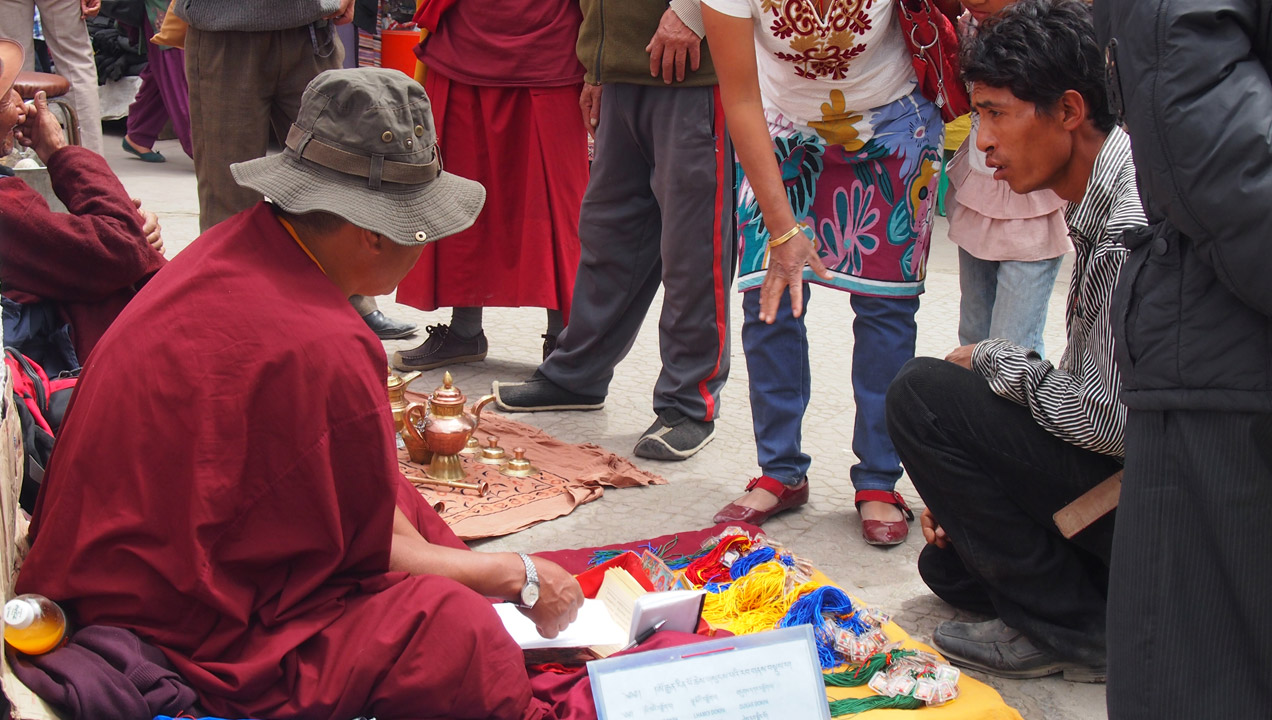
x=621 y=612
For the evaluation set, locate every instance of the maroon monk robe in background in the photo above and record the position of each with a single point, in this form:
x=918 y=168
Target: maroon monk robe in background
x=504 y=83
x=225 y=488
x=90 y=260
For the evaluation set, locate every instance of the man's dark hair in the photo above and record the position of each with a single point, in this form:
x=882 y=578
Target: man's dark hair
x=1038 y=49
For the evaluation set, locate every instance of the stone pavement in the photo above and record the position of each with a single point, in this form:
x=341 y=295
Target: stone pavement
x=826 y=531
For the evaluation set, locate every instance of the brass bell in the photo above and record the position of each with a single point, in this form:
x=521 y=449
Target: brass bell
x=492 y=454
x=519 y=466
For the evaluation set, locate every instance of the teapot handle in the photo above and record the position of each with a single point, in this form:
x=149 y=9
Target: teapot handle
x=477 y=410
x=409 y=421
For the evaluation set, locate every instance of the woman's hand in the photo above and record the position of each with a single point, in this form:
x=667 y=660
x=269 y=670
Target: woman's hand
x=786 y=272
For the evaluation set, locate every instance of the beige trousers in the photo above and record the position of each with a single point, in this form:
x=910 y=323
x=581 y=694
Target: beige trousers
x=242 y=85
x=71 y=50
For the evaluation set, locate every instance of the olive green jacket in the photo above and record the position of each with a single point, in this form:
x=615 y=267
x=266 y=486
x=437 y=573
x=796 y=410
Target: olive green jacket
x=614 y=34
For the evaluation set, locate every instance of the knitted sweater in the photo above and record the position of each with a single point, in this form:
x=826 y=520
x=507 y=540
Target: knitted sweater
x=253 y=15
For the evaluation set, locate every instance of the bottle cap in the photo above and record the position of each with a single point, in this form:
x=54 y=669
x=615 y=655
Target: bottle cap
x=19 y=613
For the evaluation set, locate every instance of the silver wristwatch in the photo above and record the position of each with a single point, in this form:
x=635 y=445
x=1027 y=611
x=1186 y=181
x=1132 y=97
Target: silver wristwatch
x=529 y=591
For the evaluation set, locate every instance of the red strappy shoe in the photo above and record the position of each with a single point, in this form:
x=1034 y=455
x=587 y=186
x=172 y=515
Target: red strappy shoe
x=787 y=498
x=884 y=532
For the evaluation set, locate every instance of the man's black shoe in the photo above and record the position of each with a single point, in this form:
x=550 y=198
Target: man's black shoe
x=539 y=393
x=674 y=436
x=386 y=328
x=997 y=649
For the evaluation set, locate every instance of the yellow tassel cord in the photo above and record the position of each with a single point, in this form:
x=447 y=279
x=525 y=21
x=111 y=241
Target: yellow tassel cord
x=755 y=602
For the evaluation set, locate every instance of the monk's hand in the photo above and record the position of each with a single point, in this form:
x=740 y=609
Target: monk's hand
x=149 y=226
x=90 y=8
x=961 y=356
x=41 y=131
x=786 y=273
x=560 y=598
x=590 y=104
x=672 y=47
x=932 y=530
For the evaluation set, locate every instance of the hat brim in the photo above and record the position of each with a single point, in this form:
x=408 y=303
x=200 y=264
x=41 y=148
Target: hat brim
x=407 y=215
x=11 y=60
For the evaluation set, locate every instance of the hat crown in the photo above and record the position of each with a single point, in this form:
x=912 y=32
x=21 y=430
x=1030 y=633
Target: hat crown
x=368 y=112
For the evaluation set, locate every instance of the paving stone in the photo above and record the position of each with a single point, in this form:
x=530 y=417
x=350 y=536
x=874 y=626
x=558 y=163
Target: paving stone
x=827 y=531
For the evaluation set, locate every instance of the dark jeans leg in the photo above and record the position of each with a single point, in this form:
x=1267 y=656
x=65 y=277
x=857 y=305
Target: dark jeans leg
x=781 y=385
x=883 y=331
x=993 y=478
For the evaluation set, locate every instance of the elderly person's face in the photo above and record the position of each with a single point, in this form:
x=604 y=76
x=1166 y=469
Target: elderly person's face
x=12 y=114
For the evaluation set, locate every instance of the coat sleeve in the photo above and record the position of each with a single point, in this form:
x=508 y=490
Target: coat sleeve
x=84 y=255
x=1198 y=105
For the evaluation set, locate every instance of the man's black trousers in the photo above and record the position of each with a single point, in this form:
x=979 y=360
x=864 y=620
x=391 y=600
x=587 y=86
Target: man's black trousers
x=993 y=478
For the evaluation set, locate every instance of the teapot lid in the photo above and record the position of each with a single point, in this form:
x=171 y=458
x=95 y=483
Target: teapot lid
x=395 y=381
x=447 y=394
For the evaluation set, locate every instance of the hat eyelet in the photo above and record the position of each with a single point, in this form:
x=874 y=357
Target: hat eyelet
x=410 y=143
x=419 y=131
x=387 y=136
x=421 y=236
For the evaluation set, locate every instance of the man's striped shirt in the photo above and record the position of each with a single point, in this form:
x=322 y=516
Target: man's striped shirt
x=1078 y=401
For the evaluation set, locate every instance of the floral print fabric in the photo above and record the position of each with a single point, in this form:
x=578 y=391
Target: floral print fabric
x=865 y=186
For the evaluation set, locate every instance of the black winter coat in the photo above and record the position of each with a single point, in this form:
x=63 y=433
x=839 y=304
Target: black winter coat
x=1192 y=313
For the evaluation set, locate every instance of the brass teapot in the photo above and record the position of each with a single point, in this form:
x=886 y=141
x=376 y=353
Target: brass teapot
x=444 y=428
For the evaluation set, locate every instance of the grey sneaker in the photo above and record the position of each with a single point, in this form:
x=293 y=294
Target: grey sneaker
x=539 y=393
x=674 y=436
x=994 y=648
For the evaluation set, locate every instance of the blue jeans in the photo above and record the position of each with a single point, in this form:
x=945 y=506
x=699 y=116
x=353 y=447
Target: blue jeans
x=1004 y=299
x=777 y=360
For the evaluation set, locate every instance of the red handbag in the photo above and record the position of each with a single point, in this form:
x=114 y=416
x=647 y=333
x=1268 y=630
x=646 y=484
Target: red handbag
x=934 y=52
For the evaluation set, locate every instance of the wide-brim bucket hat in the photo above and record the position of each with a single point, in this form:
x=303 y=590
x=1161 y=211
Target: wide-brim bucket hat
x=11 y=58
x=363 y=147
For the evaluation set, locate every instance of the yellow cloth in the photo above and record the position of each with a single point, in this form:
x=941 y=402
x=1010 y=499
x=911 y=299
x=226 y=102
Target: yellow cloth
x=956 y=132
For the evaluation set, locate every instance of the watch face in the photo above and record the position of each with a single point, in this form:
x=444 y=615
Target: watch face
x=530 y=594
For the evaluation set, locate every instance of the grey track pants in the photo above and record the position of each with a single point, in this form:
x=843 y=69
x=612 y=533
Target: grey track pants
x=658 y=208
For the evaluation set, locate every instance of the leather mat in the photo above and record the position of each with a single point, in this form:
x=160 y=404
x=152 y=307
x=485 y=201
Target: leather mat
x=569 y=475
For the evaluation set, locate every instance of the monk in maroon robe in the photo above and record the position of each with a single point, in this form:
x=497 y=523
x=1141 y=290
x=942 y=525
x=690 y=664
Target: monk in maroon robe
x=227 y=486
x=85 y=264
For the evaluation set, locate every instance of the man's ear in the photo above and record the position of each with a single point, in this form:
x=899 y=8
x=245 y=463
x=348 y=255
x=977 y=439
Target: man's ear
x=1073 y=110
x=372 y=242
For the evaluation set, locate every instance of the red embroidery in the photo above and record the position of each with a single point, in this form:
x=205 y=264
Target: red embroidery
x=823 y=47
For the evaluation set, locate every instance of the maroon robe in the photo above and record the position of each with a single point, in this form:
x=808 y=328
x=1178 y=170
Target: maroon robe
x=225 y=484
x=90 y=260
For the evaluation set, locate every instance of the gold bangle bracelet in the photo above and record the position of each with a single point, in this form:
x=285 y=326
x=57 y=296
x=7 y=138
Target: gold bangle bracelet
x=785 y=236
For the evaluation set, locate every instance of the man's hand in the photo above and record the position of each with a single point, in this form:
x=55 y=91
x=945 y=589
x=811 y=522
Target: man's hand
x=90 y=8
x=560 y=598
x=932 y=530
x=343 y=16
x=40 y=131
x=149 y=226
x=786 y=272
x=961 y=356
x=590 y=104
x=673 y=43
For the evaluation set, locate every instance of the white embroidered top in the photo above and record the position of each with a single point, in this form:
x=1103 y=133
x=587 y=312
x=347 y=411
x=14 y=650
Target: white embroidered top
x=817 y=66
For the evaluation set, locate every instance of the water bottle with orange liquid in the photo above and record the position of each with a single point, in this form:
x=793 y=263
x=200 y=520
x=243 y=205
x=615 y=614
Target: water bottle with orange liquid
x=34 y=624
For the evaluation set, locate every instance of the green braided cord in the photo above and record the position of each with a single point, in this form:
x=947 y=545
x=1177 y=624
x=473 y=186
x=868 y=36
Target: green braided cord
x=853 y=706
x=858 y=675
